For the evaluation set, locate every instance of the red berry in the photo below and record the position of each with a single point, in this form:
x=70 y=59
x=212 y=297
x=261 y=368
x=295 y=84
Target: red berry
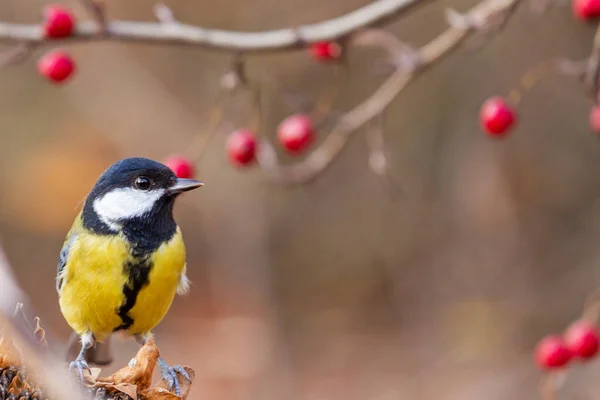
x=552 y=352
x=241 y=147
x=181 y=166
x=58 y=22
x=296 y=132
x=326 y=51
x=57 y=66
x=582 y=339
x=595 y=119
x=497 y=117
x=586 y=9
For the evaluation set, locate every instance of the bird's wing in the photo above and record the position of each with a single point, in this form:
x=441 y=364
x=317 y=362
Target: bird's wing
x=64 y=254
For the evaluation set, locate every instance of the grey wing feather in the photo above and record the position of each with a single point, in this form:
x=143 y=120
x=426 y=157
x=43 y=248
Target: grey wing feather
x=62 y=260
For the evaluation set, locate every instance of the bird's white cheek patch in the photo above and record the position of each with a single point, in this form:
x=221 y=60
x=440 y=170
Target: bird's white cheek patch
x=126 y=203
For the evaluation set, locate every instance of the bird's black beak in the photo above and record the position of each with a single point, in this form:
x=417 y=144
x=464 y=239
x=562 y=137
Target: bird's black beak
x=184 y=185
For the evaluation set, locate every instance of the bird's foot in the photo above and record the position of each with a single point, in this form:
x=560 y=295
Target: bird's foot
x=79 y=366
x=169 y=374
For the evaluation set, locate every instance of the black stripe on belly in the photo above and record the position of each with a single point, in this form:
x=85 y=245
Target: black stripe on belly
x=145 y=235
x=138 y=272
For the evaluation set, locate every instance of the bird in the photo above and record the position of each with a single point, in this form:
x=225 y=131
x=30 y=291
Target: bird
x=124 y=260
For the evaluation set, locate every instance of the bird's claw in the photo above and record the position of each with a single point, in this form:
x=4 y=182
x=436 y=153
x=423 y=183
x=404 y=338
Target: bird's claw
x=79 y=365
x=169 y=374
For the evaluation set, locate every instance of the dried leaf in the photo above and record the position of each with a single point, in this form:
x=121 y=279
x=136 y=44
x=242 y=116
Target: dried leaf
x=164 y=14
x=95 y=373
x=135 y=379
x=127 y=388
x=16 y=383
x=138 y=373
x=158 y=393
x=91 y=376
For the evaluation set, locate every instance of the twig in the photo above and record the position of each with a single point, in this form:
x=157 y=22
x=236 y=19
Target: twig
x=96 y=9
x=16 y=54
x=376 y=13
x=377 y=155
x=201 y=142
x=402 y=55
x=164 y=14
x=551 y=383
x=432 y=52
x=574 y=68
x=234 y=79
x=323 y=106
x=489 y=29
x=377 y=158
x=257 y=102
x=593 y=68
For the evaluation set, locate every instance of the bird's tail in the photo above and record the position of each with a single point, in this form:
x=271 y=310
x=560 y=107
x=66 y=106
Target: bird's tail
x=99 y=354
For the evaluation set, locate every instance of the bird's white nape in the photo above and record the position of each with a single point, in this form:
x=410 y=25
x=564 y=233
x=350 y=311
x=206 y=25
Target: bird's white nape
x=125 y=203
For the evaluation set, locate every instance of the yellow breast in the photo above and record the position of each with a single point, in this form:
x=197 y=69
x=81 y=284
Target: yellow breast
x=94 y=278
x=155 y=299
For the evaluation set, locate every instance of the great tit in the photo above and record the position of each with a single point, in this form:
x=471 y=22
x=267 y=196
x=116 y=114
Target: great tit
x=124 y=259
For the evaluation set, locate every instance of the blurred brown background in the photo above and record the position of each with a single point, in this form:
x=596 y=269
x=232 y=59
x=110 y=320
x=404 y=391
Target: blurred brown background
x=335 y=290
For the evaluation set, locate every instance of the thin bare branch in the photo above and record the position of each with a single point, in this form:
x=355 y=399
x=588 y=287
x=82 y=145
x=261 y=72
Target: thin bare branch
x=236 y=76
x=490 y=28
x=376 y=13
x=316 y=162
x=96 y=9
x=234 y=79
x=164 y=14
x=402 y=55
x=16 y=54
x=377 y=158
x=323 y=107
x=593 y=68
x=574 y=68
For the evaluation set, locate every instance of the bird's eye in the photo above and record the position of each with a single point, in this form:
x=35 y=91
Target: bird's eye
x=142 y=183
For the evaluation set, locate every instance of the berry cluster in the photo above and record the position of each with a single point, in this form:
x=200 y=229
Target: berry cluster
x=295 y=134
x=498 y=117
x=580 y=341
x=59 y=23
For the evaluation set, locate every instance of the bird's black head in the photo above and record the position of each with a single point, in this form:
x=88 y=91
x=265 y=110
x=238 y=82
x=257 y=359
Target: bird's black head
x=134 y=193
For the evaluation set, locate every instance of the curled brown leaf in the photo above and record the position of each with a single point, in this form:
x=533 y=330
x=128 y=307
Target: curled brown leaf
x=138 y=372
